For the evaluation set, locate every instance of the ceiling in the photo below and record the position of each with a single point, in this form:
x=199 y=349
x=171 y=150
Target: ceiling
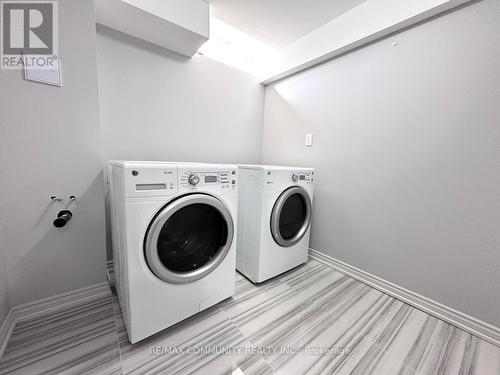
x=277 y=23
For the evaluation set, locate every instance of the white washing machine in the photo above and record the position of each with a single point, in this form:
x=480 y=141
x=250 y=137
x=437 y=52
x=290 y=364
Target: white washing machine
x=174 y=240
x=274 y=216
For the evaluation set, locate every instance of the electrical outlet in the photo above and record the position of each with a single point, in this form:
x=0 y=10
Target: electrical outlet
x=309 y=140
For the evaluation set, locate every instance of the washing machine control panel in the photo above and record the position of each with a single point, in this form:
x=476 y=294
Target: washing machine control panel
x=206 y=179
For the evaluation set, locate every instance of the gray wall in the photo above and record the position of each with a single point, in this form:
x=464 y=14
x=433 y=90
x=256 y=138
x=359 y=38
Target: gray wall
x=50 y=145
x=407 y=151
x=158 y=105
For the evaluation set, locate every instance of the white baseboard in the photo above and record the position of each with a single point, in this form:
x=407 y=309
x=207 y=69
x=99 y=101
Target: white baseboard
x=456 y=318
x=43 y=306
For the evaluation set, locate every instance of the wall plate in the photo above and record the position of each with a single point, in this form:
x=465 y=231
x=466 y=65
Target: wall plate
x=43 y=75
x=309 y=140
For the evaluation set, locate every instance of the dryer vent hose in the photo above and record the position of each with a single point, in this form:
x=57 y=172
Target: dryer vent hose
x=62 y=218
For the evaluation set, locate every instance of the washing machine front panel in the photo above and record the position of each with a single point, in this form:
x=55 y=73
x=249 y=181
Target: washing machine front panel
x=291 y=216
x=189 y=238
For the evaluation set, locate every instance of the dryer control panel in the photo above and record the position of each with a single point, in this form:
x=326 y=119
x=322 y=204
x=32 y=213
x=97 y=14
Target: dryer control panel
x=302 y=178
x=288 y=178
x=278 y=179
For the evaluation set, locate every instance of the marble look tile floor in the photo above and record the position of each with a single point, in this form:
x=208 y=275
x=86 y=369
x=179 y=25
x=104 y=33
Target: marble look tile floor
x=311 y=320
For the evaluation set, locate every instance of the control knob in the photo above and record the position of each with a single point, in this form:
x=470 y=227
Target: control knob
x=295 y=178
x=193 y=180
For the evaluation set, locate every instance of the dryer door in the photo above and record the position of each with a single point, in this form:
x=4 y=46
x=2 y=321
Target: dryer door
x=189 y=238
x=291 y=216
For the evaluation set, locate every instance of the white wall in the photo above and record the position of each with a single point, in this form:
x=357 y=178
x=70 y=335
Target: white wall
x=407 y=151
x=50 y=145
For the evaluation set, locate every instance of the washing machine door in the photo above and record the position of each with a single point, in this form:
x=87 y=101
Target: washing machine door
x=291 y=216
x=189 y=238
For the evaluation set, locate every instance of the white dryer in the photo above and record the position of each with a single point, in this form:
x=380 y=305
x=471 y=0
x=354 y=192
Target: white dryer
x=274 y=216
x=174 y=240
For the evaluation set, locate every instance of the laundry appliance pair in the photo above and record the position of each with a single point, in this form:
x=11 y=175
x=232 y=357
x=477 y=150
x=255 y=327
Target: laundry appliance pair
x=174 y=234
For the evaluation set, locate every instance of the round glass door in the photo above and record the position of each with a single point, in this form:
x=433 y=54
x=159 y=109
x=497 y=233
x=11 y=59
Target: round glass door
x=291 y=216
x=189 y=238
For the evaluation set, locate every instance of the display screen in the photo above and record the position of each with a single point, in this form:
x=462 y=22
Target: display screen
x=210 y=179
x=302 y=177
x=145 y=187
